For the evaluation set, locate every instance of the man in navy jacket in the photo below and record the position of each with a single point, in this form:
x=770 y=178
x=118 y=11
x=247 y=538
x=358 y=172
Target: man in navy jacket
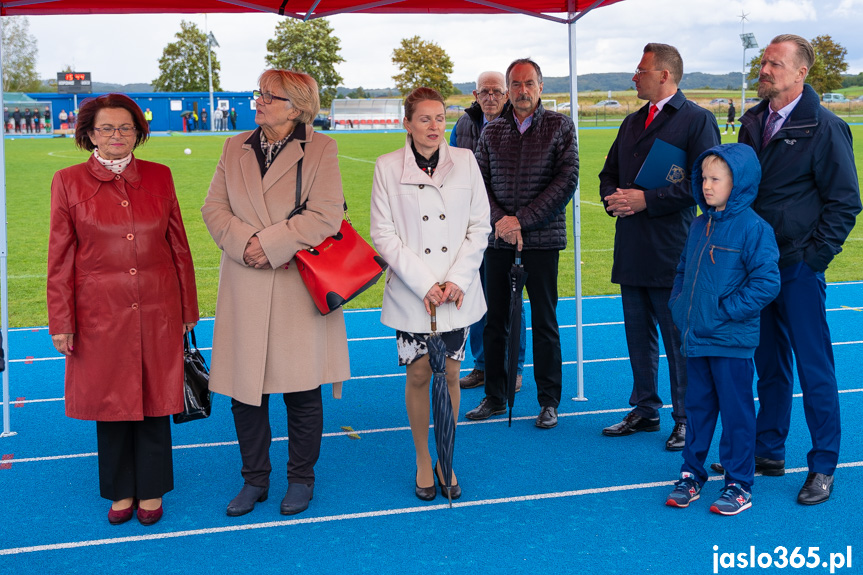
x=650 y=233
x=809 y=194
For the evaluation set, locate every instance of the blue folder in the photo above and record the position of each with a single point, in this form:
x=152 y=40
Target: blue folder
x=664 y=165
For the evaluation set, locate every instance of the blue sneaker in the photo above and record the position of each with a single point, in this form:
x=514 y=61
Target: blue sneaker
x=733 y=500
x=685 y=491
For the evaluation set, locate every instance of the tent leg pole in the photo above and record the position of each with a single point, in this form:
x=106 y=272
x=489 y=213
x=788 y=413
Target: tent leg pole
x=576 y=219
x=4 y=276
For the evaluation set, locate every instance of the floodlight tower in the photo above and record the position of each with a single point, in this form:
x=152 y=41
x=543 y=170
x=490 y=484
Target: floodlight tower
x=211 y=42
x=748 y=43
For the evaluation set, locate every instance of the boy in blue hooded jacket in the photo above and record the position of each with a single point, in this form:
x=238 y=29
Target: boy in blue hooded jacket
x=727 y=273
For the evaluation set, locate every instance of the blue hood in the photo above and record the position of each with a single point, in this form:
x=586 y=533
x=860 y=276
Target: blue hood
x=745 y=171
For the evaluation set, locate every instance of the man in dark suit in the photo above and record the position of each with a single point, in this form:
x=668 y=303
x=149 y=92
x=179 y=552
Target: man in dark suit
x=650 y=233
x=810 y=194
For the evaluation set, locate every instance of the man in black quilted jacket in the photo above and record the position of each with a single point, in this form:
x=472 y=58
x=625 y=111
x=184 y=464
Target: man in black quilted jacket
x=529 y=161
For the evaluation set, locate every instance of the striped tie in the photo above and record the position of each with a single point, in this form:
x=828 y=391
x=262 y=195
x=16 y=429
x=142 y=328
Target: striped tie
x=770 y=128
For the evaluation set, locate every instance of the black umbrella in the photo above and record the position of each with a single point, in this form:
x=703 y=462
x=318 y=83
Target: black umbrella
x=517 y=278
x=444 y=422
x=186 y=113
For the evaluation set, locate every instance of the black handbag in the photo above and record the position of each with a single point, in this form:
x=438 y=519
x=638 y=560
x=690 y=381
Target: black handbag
x=197 y=399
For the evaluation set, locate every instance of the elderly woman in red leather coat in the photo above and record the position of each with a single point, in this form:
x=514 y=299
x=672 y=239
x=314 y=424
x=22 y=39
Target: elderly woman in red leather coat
x=121 y=294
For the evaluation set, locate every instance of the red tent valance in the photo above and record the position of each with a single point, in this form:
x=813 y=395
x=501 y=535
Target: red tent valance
x=297 y=8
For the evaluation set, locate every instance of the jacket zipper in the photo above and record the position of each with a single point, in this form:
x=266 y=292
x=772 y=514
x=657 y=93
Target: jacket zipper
x=707 y=233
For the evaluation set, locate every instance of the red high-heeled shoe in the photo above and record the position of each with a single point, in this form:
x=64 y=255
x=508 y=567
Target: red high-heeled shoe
x=149 y=517
x=116 y=517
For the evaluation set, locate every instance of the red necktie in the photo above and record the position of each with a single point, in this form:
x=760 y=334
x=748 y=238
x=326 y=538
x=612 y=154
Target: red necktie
x=650 y=115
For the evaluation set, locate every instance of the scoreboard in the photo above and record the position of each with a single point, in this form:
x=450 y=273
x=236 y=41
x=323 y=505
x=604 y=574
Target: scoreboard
x=74 y=83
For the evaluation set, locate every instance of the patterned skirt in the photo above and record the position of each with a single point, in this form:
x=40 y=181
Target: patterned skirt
x=412 y=346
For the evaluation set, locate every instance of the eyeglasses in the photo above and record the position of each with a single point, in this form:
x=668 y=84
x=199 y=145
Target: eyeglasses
x=486 y=94
x=267 y=97
x=108 y=131
x=639 y=72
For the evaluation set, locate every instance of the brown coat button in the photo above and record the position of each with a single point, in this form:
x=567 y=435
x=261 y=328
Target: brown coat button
x=443 y=216
x=443 y=249
x=422 y=186
x=425 y=218
x=428 y=251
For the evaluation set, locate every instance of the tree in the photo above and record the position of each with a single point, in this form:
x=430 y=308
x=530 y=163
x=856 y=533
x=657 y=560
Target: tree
x=826 y=73
x=359 y=94
x=309 y=47
x=422 y=63
x=183 y=65
x=19 y=56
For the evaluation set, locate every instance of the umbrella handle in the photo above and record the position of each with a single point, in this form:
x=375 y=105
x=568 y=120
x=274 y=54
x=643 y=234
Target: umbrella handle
x=433 y=308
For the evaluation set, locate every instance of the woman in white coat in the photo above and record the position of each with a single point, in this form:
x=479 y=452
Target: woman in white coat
x=430 y=222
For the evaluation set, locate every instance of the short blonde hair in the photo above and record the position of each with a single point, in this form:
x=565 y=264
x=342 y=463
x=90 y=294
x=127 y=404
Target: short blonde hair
x=715 y=159
x=301 y=89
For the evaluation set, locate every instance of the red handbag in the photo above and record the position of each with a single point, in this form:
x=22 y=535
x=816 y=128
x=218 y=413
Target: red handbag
x=339 y=269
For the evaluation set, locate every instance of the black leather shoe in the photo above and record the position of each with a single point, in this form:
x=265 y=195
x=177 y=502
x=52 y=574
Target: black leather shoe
x=425 y=493
x=547 y=418
x=297 y=498
x=485 y=409
x=245 y=500
x=677 y=439
x=454 y=491
x=630 y=424
x=764 y=466
x=816 y=489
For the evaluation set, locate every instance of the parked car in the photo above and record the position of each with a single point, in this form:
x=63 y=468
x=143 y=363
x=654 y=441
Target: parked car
x=833 y=98
x=716 y=101
x=858 y=98
x=752 y=100
x=321 y=121
x=607 y=104
x=455 y=108
x=563 y=107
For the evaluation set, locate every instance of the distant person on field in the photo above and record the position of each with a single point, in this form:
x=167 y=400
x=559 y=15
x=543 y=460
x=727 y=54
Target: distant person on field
x=490 y=101
x=17 y=120
x=233 y=117
x=148 y=115
x=650 y=232
x=729 y=122
x=217 y=120
x=203 y=119
x=727 y=273
x=63 y=117
x=28 y=120
x=47 y=118
x=6 y=118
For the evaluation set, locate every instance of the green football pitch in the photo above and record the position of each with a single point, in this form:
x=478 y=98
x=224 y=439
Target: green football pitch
x=31 y=163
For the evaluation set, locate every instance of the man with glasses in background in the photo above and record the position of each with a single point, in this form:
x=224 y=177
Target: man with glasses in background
x=491 y=101
x=650 y=232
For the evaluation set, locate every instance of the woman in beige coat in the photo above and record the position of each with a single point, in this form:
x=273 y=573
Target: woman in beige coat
x=269 y=337
x=430 y=222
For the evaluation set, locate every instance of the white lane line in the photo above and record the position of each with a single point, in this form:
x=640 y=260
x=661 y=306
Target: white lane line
x=370 y=431
x=366 y=515
x=359 y=160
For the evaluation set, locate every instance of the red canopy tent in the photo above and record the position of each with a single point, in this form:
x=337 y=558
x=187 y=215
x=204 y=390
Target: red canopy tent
x=563 y=11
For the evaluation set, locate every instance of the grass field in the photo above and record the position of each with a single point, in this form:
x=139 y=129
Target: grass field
x=31 y=163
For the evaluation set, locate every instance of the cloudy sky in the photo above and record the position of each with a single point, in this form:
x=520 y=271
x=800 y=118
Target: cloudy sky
x=126 y=49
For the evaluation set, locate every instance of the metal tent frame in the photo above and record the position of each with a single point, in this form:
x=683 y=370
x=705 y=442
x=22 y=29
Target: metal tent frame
x=551 y=10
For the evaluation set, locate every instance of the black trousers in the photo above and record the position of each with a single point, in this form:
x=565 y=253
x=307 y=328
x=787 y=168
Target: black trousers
x=541 y=268
x=135 y=458
x=643 y=309
x=305 y=430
